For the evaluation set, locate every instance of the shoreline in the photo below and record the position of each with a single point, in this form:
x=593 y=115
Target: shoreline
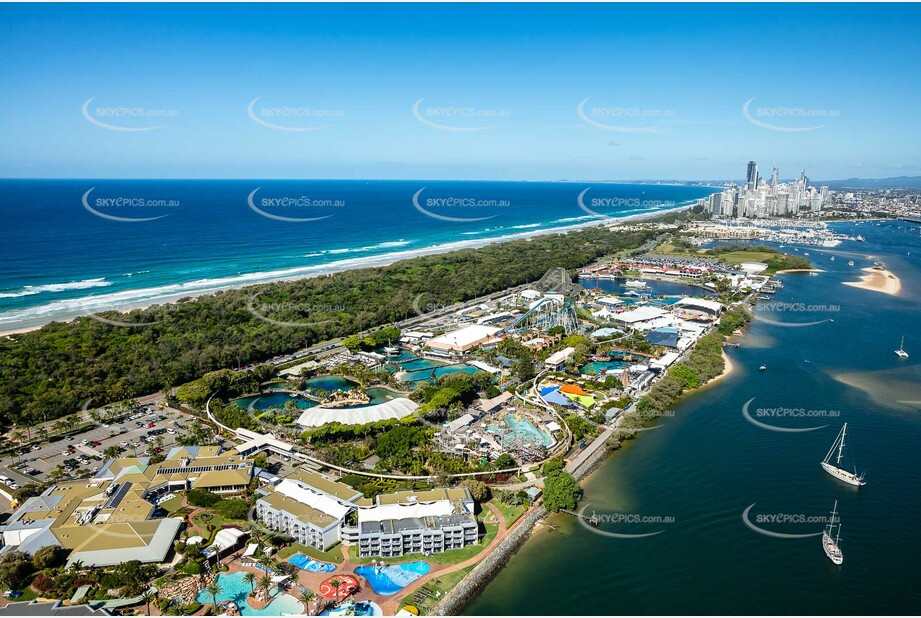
x=466 y=590
x=304 y=272
x=877 y=280
x=799 y=270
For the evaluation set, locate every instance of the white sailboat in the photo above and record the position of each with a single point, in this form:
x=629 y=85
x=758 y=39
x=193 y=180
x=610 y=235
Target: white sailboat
x=901 y=353
x=835 y=469
x=831 y=536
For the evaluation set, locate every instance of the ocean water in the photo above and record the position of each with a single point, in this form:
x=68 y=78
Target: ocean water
x=689 y=481
x=71 y=247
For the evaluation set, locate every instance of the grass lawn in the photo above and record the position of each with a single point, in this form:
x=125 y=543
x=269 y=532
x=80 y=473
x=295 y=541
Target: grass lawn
x=452 y=556
x=333 y=554
x=510 y=513
x=439 y=586
x=27 y=595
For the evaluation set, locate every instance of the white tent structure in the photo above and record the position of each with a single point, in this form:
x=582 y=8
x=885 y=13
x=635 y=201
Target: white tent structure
x=395 y=408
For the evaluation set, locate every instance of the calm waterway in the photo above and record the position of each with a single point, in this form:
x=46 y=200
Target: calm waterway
x=707 y=464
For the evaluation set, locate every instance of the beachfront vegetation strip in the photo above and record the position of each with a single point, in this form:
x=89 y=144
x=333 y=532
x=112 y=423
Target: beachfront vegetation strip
x=54 y=371
x=703 y=364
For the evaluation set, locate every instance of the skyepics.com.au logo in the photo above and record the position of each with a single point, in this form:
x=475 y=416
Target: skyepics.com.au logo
x=127 y=118
x=636 y=422
x=768 y=312
x=283 y=207
x=128 y=208
x=119 y=315
x=784 y=525
x=787 y=119
x=425 y=308
x=292 y=314
x=601 y=523
x=292 y=118
x=458 y=119
x=439 y=207
x=622 y=119
x=632 y=204
x=760 y=417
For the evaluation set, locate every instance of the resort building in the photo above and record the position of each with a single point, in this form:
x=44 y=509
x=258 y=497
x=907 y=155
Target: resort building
x=185 y=468
x=698 y=308
x=308 y=507
x=463 y=339
x=427 y=522
x=609 y=302
x=558 y=359
x=319 y=512
x=644 y=318
x=112 y=517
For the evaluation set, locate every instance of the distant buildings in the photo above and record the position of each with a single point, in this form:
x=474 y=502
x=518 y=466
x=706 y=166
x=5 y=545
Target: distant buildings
x=758 y=199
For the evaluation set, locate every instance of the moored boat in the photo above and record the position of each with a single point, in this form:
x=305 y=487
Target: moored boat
x=835 y=469
x=831 y=536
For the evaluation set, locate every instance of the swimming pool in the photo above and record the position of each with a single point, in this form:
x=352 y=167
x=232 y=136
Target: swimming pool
x=309 y=564
x=392 y=579
x=519 y=430
x=607 y=366
x=274 y=399
x=329 y=384
x=233 y=588
x=436 y=371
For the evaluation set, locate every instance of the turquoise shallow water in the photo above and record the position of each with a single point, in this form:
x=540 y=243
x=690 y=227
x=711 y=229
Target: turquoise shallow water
x=707 y=464
x=598 y=366
x=523 y=430
x=378 y=394
x=391 y=579
x=233 y=588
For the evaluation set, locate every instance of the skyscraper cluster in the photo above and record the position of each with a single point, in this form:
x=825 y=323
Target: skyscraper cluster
x=759 y=199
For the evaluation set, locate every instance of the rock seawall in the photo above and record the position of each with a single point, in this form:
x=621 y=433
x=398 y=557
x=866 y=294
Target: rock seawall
x=454 y=601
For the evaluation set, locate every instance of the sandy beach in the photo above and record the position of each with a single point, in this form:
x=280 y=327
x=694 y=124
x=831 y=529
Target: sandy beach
x=878 y=280
x=727 y=369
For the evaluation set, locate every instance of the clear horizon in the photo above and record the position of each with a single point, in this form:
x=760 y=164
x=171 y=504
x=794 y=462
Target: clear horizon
x=495 y=92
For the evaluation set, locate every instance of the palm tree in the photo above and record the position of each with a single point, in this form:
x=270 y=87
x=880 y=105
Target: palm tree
x=213 y=589
x=335 y=583
x=111 y=452
x=148 y=596
x=266 y=562
x=265 y=582
x=308 y=596
x=250 y=578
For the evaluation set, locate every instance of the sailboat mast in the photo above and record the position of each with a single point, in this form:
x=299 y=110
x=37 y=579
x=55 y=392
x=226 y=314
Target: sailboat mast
x=841 y=445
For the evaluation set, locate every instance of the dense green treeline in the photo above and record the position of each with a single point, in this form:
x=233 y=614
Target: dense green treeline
x=54 y=371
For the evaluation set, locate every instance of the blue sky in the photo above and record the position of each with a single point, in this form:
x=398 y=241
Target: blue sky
x=835 y=88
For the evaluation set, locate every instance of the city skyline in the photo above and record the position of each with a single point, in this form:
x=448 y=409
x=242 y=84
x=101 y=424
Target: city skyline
x=601 y=92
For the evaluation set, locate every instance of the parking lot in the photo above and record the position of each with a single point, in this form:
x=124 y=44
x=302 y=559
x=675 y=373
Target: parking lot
x=85 y=451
